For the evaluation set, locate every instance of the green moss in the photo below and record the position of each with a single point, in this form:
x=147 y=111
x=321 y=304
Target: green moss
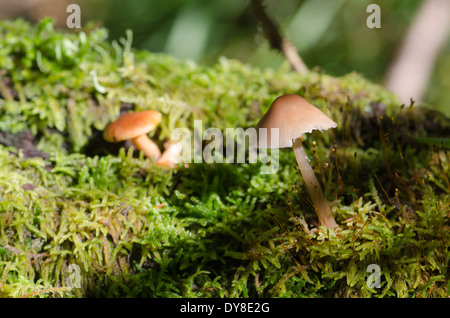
x=208 y=230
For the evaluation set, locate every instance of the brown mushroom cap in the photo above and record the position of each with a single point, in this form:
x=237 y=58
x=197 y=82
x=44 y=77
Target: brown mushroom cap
x=293 y=116
x=132 y=125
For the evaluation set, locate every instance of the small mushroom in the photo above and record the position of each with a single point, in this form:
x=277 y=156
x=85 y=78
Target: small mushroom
x=136 y=126
x=171 y=155
x=294 y=116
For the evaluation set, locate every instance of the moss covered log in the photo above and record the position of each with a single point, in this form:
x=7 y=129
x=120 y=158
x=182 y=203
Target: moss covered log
x=70 y=200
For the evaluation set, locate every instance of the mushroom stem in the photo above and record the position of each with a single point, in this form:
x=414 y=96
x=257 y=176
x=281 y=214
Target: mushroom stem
x=171 y=155
x=321 y=204
x=148 y=147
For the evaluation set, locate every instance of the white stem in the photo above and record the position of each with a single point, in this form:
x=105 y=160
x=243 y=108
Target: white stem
x=148 y=147
x=312 y=184
x=171 y=155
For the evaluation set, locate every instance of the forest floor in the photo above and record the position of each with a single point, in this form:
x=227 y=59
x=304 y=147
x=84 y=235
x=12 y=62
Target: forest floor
x=80 y=217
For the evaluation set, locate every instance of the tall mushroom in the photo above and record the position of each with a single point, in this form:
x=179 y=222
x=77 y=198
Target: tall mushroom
x=294 y=116
x=136 y=126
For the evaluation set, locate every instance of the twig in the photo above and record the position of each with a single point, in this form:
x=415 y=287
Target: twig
x=276 y=41
x=409 y=73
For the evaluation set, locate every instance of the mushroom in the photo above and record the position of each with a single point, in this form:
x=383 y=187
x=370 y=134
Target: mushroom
x=294 y=116
x=136 y=126
x=171 y=155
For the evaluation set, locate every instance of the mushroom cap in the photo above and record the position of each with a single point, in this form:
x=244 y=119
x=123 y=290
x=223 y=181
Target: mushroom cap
x=132 y=125
x=293 y=116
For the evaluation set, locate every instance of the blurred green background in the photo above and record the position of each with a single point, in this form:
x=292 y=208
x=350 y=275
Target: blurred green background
x=330 y=35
